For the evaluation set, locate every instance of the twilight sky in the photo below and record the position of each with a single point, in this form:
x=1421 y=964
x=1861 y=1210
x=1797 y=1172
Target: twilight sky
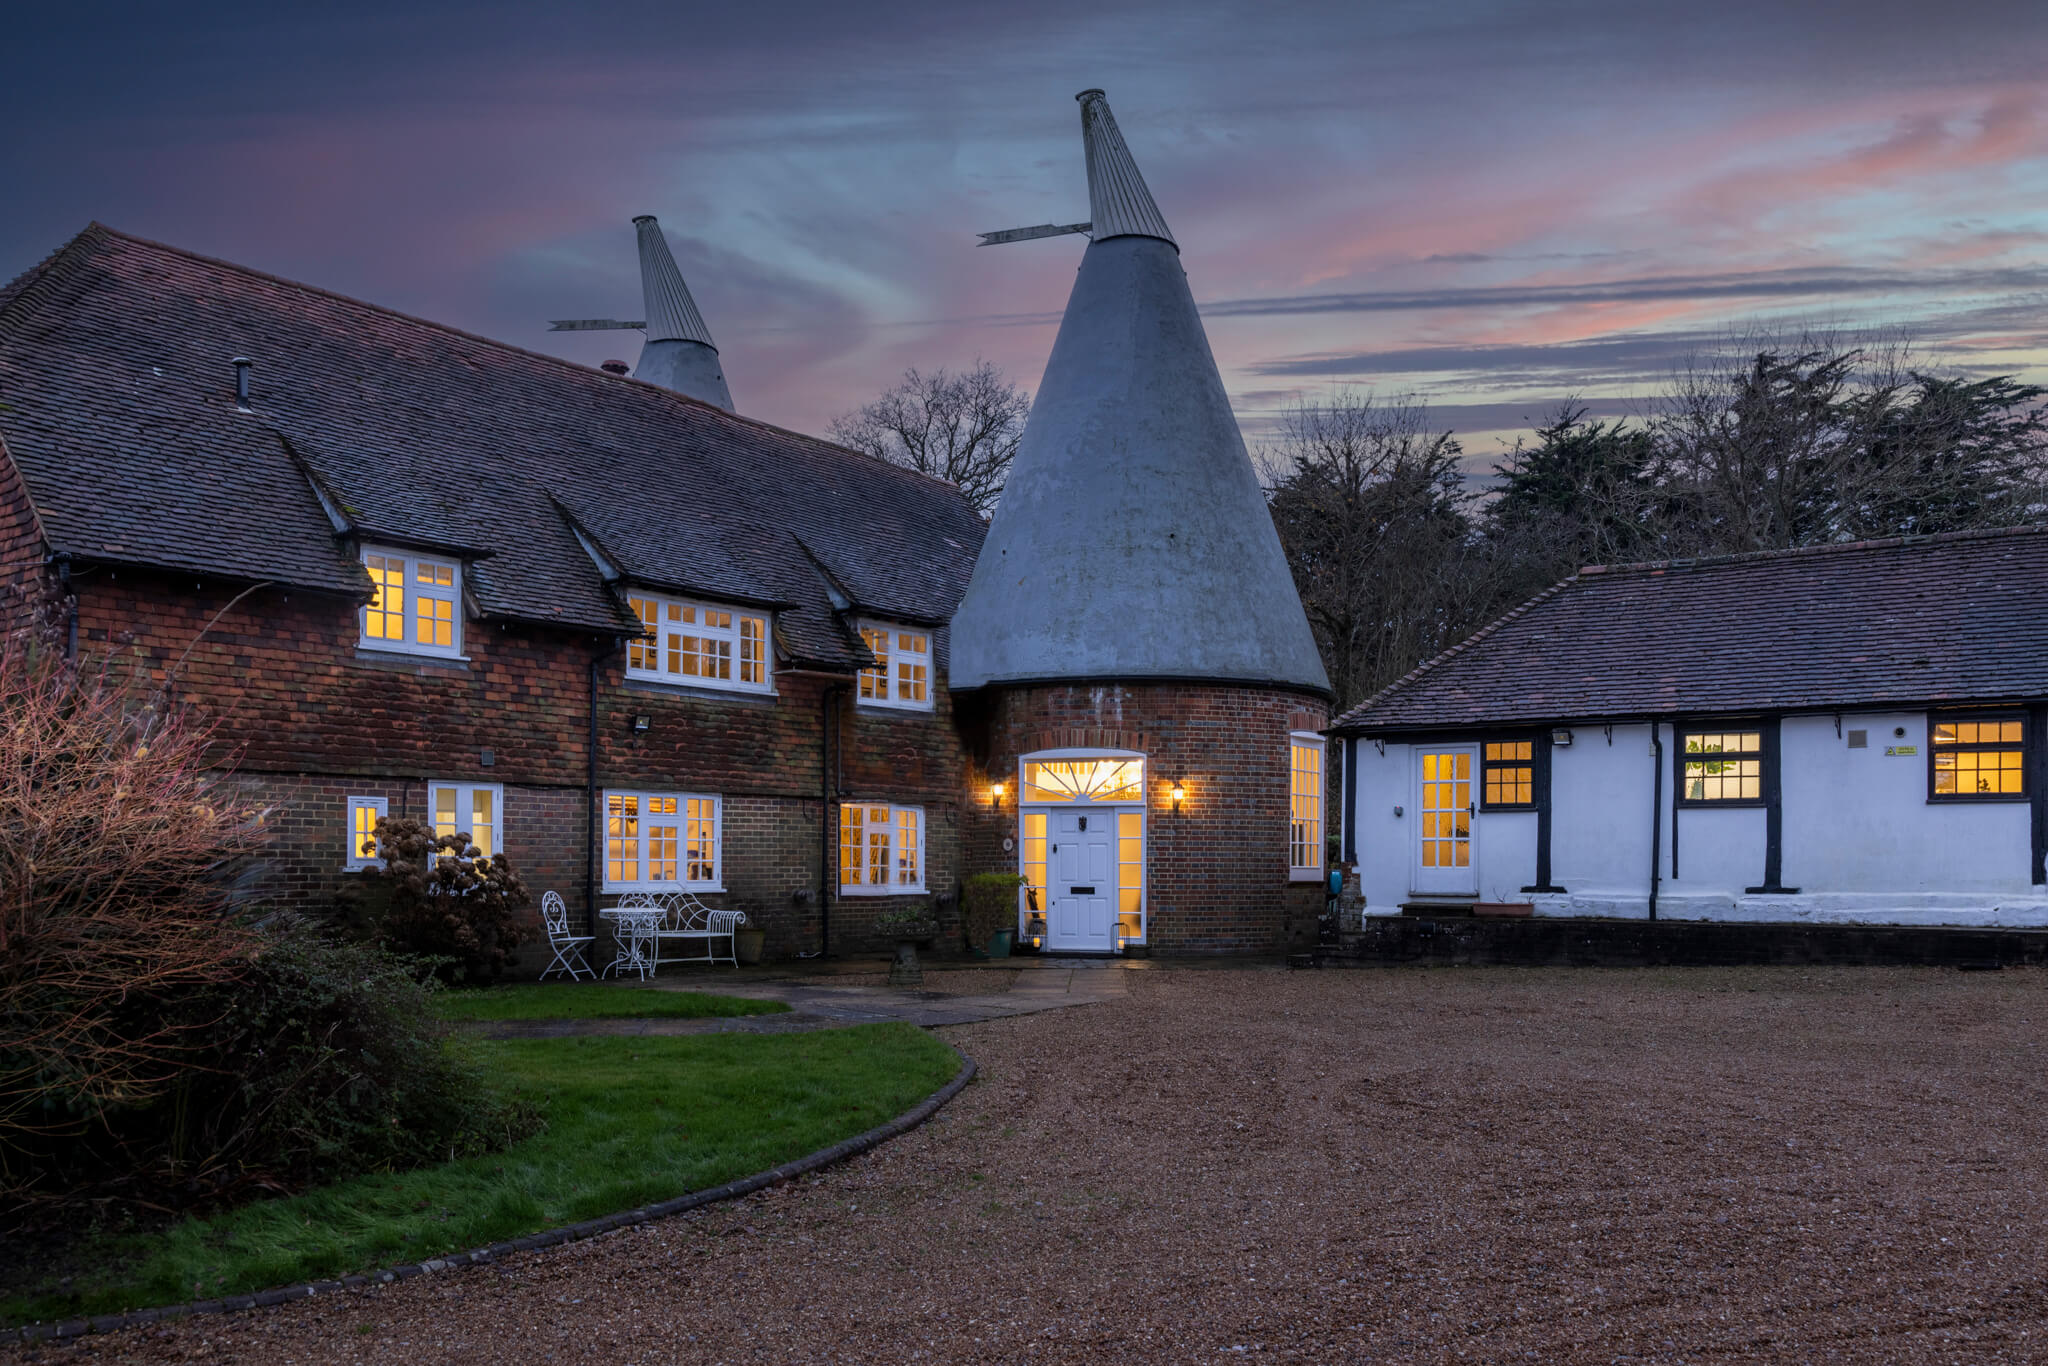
x=1489 y=205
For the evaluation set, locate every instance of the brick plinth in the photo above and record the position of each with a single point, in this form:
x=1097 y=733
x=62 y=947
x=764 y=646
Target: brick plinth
x=1217 y=869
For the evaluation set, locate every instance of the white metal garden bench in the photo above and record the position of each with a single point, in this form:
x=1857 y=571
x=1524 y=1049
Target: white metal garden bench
x=571 y=950
x=687 y=920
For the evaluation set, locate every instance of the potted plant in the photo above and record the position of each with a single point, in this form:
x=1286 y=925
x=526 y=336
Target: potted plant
x=748 y=941
x=908 y=926
x=988 y=913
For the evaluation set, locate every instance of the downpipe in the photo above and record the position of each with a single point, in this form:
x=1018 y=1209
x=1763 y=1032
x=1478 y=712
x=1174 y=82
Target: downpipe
x=597 y=663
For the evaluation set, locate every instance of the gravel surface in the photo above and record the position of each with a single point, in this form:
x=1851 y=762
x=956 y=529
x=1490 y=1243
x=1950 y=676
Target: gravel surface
x=1487 y=1165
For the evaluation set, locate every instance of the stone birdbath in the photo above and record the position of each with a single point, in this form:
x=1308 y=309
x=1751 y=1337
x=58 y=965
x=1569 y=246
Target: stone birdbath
x=908 y=928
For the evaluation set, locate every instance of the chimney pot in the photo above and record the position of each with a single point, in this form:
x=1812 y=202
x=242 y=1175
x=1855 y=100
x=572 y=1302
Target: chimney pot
x=241 y=364
x=616 y=367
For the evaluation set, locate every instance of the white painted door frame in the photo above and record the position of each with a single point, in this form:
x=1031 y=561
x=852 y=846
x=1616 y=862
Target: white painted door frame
x=1446 y=809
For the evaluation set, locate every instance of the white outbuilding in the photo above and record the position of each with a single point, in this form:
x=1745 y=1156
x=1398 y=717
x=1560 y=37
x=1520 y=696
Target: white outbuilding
x=1847 y=734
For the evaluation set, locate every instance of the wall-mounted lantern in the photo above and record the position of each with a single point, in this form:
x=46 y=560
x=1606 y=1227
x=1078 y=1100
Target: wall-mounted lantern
x=995 y=796
x=640 y=724
x=1179 y=795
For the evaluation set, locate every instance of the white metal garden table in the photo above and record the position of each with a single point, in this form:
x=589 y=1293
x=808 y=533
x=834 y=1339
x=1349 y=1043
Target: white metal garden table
x=633 y=931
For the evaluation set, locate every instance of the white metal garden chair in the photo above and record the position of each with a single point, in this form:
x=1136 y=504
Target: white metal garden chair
x=572 y=951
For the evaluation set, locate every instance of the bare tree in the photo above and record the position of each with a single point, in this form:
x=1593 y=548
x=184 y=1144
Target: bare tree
x=1372 y=510
x=961 y=427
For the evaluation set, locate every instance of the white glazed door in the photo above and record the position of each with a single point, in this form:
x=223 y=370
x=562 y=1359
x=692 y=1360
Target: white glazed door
x=1082 y=885
x=1445 y=862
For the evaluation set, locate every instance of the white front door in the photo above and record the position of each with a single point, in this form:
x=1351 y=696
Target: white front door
x=1081 y=887
x=1444 y=861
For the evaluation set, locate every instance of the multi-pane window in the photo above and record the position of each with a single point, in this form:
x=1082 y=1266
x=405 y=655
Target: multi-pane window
x=1034 y=859
x=363 y=815
x=660 y=839
x=1722 y=766
x=1447 y=809
x=1305 y=796
x=881 y=848
x=698 y=644
x=902 y=673
x=475 y=808
x=1983 y=757
x=1508 y=774
x=1130 y=876
x=415 y=603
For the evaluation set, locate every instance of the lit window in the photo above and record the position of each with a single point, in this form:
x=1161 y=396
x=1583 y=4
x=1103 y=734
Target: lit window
x=415 y=603
x=1305 y=797
x=363 y=815
x=1130 y=875
x=1721 y=767
x=902 y=674
x=474 y=809
x=1034 y=858
x=657 y=840
x=881 y=848
x=699 y=645
x=1980 y=758
x=1084 y=780
x=1508 y=775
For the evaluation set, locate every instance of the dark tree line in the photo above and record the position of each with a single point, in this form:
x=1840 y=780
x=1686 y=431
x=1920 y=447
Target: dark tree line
x=1398 y=556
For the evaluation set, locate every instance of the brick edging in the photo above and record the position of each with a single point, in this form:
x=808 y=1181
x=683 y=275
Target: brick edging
x=568 y=1233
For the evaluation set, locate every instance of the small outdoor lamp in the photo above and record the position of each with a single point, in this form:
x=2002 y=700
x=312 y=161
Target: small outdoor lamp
x=1179 y=793
x=995 y=796
x=1560 y=737
x=640 y=724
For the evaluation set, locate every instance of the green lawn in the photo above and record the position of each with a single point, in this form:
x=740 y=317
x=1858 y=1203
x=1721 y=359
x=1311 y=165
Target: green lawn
x=592 y=1001
x=630 y=1121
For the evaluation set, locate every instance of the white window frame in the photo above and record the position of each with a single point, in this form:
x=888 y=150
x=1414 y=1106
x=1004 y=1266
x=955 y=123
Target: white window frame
x=465 y=800
x=893 y=888
x=449 y=593
x=1303 y=872
x=894 y=660
x=357 y=860
x=659 y=650
x=682 y=881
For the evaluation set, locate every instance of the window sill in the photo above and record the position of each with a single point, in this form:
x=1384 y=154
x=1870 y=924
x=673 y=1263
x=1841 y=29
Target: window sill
x=883 y=891
x=1976 y=799
x=1304 y=875
x=661 y=688
x=661 y=889
x=1722 y=806
x=898 y=708
x=1529 y=810
x=405 y=659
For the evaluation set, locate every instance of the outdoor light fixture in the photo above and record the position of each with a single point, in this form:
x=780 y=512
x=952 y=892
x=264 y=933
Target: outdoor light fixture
x=640 y=724
x=1179 y=793
x=1562 y=739
x=995 y=796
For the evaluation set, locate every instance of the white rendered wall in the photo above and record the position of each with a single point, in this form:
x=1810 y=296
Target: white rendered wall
x=1861 y=841
x=1858 y=820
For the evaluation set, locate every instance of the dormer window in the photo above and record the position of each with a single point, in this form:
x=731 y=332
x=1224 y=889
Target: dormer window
x=698 y=644
x=902 y=675
x=415 y=603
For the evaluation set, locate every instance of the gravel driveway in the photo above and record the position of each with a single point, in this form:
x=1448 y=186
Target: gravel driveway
x=1485 y=1164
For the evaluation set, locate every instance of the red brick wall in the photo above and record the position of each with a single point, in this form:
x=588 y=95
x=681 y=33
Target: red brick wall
x=1217 y=869
x=21 y=550
x=308 y=721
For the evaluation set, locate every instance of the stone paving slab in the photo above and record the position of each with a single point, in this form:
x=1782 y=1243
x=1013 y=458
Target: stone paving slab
x=1047 y=986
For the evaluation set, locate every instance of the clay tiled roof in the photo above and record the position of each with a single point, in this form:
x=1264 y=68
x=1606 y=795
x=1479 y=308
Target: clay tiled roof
x=117 y=405
x=1956 y=618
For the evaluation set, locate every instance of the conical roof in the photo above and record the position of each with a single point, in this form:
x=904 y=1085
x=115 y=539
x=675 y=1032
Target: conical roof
x=678 y=353
x=1132 y=540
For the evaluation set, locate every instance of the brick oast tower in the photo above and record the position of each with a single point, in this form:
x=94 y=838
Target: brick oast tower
x=1145 y=681
x=678 y=353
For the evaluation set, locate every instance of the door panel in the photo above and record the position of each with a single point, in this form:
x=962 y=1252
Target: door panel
x=1082 y=893
x=1445 y=861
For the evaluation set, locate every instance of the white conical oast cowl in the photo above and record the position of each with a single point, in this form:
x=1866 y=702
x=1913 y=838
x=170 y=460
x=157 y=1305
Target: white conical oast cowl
x=678 y=353
x=1132 y=540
